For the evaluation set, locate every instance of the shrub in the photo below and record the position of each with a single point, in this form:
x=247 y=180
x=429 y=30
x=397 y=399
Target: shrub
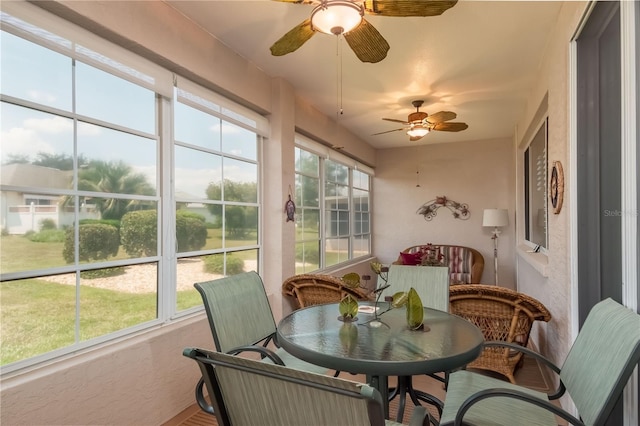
x=47 y=225
x=214 y=264
x=97 y=242
x=112 y=222
x=139 y=233
x=191 y=231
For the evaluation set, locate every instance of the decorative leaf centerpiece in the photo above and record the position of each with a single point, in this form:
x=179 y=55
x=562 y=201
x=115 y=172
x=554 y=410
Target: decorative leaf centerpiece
x=348 y=308
x=415 y=310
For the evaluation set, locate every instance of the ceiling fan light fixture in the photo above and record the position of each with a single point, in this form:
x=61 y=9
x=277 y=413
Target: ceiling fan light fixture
x=336 y=16
x=418 y=131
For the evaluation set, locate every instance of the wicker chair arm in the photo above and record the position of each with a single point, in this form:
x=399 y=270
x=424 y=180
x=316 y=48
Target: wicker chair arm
x=546 y=361
x=516 y=394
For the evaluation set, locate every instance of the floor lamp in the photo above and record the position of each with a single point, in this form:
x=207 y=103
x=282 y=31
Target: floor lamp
x=495 y=218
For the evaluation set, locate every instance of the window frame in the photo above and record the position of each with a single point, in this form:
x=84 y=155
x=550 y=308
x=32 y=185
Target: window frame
x=60 y=36
x=530 y=176
x=323 y=154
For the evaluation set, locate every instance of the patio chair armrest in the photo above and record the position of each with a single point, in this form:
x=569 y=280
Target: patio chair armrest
x=515 y=394
x=538 y=357
x=264 y=352
x=526 y=351
x=420 y=416
x=201 y=400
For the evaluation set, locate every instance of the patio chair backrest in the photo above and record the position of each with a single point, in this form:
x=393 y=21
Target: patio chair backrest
x=602 y=359
x=430 y=282
x=238 y=310
x=247 y=392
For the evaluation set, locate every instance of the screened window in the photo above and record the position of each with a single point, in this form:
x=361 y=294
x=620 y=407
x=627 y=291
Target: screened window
x=80 y=201
x=339 y=230
x=216 y=186
x=535 y=191
x=100 y=237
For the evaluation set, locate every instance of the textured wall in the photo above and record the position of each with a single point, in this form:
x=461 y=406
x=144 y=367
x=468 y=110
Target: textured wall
x=142 y=380
x=478 y=173
x=548 y=278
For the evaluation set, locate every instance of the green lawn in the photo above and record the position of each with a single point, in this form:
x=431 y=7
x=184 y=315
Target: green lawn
x=32 y=324
x=38 y=316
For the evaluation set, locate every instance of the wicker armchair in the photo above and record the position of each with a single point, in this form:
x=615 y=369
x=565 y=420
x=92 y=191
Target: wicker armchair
x=316 y=289
x=502 y=314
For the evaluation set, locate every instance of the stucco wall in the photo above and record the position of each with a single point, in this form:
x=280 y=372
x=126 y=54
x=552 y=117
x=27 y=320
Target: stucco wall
x=142 y=380
x=548 y=278
x=478 y=173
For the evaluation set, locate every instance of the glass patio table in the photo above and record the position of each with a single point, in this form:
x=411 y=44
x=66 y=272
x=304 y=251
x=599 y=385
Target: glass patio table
x=379 y=348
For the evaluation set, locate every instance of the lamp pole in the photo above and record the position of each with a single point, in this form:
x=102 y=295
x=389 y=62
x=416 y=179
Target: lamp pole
x=495 y=218
x=496 y=231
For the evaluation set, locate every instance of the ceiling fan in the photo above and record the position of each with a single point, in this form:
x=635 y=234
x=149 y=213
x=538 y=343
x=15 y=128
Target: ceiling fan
x=420 y=123
x=347 y=18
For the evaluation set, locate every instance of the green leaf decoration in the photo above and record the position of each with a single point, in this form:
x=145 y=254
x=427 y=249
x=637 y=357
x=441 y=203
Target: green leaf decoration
x=352 y=280
x=348 y=307
x=399 y=299
x=415 y=310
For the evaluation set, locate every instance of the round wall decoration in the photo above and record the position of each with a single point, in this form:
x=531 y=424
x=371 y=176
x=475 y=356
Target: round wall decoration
x=556 y=187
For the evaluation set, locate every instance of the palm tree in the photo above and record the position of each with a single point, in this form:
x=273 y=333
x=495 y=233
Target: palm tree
x=117 y=178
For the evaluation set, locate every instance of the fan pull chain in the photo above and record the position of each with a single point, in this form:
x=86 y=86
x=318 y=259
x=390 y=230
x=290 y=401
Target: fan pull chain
x=418 y=166
x=340 y=111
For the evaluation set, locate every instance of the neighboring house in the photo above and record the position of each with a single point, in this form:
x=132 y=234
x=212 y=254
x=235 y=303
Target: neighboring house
x=22 y=211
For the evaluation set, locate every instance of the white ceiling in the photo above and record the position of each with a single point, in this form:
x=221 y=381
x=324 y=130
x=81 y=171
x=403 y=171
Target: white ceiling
x=479 y=59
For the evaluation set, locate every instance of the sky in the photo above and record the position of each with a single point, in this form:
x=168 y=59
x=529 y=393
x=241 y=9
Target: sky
x=45 y=77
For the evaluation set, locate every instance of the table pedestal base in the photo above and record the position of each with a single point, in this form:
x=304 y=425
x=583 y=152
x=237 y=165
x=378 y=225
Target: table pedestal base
x=405 y=386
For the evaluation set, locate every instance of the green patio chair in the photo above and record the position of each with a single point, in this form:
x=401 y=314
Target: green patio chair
x=432 y=285
x=594 y=374
x=248 y=392
x=241 y=320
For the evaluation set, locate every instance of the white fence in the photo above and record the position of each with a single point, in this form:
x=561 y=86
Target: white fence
x=23 y=218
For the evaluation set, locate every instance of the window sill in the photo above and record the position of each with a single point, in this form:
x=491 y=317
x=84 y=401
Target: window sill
x=539 y=261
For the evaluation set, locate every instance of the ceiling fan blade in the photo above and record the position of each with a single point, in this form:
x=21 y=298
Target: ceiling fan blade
x=449 y=127
x=367 y=43
x=292 y=40
x=298 y=1
x=388 y=131
x=396 y=121
x=441 y=116
x=408 y=7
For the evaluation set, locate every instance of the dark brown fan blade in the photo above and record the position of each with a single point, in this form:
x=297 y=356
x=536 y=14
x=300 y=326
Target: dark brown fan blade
x=441 y=116
x=449 y=127
x=396 y=121
x=388 y=131
x=367 y=43
x=408 y=7
x=291 y=41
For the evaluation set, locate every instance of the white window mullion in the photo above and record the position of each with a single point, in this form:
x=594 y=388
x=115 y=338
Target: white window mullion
x=167 y=274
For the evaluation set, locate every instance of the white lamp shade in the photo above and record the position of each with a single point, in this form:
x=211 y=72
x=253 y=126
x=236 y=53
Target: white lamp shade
x=418 y=131
x=336 y=17
x=495 y=218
